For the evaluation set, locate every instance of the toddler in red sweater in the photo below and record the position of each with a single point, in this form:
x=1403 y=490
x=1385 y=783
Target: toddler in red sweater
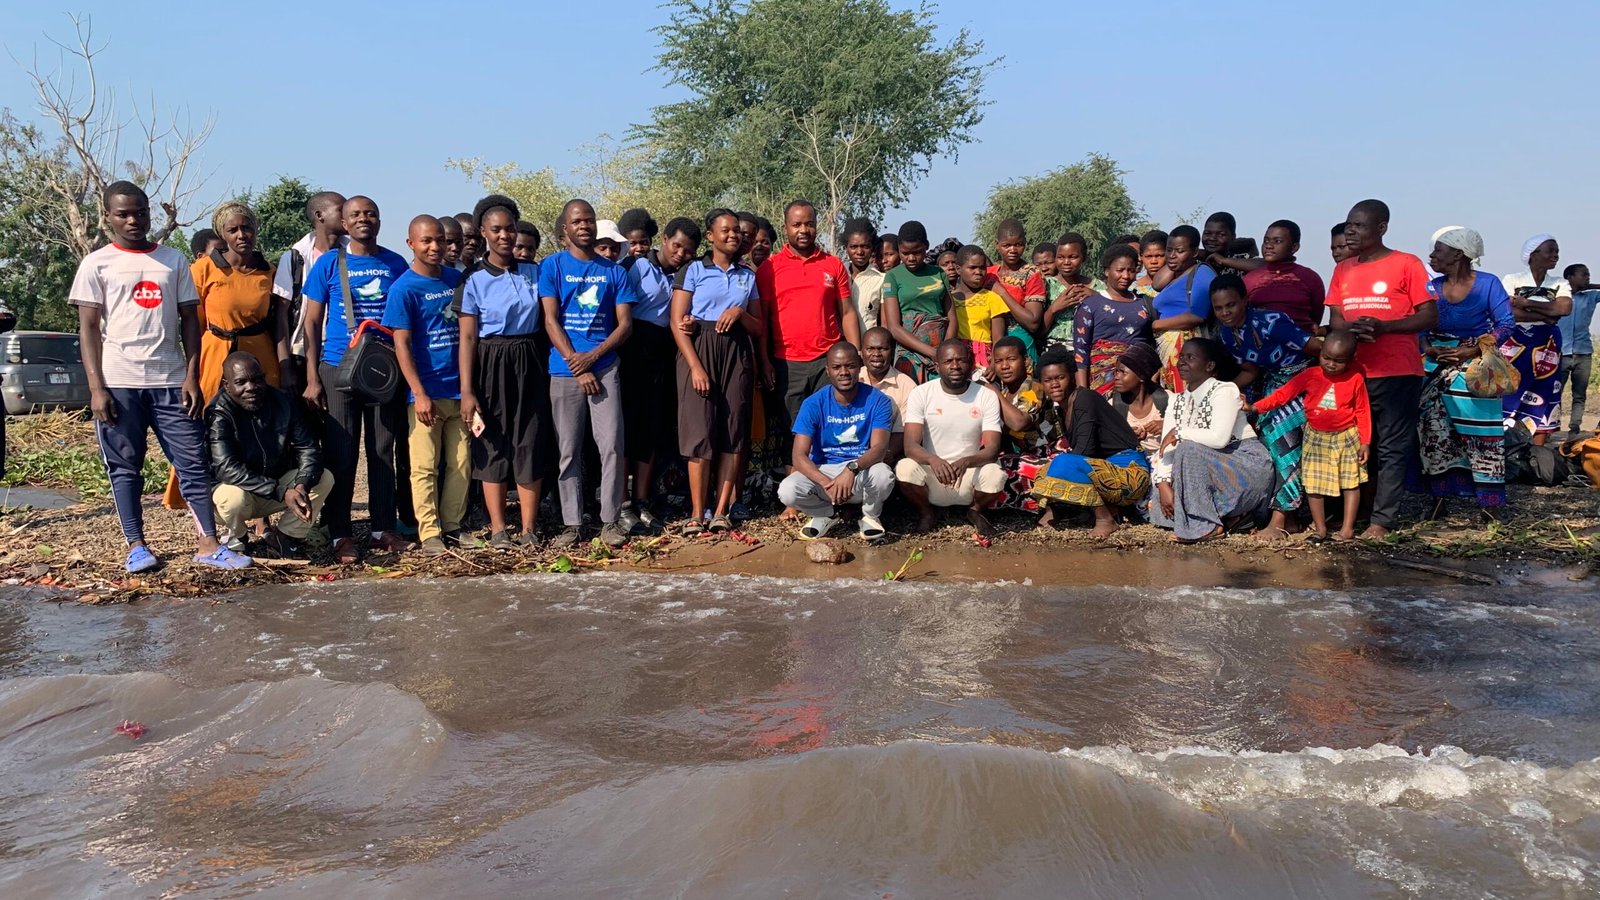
x=1338 y=435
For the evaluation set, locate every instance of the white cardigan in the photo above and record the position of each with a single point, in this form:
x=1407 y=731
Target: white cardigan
x=1211 y=416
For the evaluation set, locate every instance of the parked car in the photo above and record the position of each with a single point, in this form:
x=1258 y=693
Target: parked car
x=42 y=370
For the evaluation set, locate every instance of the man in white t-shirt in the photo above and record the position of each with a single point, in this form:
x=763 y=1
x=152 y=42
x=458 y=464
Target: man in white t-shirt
x=139 y=329
x=288 y=283
x=952 y=437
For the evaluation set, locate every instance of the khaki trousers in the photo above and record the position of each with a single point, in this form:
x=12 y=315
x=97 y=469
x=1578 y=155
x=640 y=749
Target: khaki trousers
x=441 y=466
x=235 y=506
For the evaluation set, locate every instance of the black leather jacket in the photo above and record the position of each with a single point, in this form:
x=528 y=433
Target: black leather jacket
x=254 y=450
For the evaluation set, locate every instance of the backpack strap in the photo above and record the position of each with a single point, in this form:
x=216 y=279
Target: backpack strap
x=344 y=286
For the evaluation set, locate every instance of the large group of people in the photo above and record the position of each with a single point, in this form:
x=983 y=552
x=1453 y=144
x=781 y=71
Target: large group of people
x=1190 y=378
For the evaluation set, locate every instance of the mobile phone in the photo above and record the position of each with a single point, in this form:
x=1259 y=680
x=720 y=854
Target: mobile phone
x=477 y=424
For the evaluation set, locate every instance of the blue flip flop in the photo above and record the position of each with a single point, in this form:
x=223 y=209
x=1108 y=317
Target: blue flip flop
x=140 y=559
x=223 y=558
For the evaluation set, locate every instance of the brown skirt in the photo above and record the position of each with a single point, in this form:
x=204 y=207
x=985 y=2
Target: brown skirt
x=720 y=421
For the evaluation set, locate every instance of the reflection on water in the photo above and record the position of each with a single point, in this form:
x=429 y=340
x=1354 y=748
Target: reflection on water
x=615 y=734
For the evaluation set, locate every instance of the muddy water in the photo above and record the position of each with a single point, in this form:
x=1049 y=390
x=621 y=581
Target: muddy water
x=632 y=735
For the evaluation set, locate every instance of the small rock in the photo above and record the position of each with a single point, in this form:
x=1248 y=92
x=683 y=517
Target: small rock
x=827 y=552
x=37 y=571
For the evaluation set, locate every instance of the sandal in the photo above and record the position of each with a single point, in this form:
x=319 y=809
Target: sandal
x=344 y=552
x=871 y=530
x=223 y=558
x=818 y=527
x=691 y=528
x=140 y=559
x=721 y=525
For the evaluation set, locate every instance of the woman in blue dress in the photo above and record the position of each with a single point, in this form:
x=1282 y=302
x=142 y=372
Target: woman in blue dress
x=1461 y=436
x=1270 y=349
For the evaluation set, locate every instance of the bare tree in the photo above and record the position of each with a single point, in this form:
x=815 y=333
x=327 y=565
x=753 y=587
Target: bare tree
x=840 y=163
x=100 y=144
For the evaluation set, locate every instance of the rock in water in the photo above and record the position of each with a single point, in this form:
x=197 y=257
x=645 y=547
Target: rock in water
x=828 y=552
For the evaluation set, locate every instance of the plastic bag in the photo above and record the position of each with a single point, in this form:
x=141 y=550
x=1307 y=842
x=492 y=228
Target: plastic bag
x=1490 y=375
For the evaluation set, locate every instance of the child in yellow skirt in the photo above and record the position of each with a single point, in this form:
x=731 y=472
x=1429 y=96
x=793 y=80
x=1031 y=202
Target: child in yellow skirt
x=977 y=313
x=1338 y=434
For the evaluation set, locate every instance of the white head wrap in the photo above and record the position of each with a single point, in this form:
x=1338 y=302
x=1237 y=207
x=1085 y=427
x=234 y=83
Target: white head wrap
x=1462 y=238
x=1532 y=244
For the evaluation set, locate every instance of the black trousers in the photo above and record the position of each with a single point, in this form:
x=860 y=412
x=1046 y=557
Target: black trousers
x=348 y=416
x=1395 y=401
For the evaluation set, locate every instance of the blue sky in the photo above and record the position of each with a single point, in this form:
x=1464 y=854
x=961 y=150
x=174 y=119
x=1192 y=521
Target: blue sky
x=1471 y=113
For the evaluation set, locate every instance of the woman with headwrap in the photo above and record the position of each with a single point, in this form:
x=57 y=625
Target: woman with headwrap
x=1539 y=298
x=1271 y=349
x=1461 y=436
x=1138 y=397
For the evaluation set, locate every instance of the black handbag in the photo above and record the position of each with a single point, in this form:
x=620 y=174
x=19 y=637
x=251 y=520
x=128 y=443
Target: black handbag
x=369 y=369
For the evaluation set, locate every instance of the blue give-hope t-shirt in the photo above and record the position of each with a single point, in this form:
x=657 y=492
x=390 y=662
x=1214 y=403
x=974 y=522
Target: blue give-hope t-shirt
x=587 y=293
x=423 y=305
x=839 y=432
x=370 y=279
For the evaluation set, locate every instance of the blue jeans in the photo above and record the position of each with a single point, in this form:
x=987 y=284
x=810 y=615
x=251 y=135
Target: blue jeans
x=123 y=446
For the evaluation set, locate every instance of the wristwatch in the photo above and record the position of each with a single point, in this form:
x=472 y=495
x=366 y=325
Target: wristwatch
x=853 y=466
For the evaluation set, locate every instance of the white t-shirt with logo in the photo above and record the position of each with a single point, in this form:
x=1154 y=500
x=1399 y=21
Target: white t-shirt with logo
x=283 y=282
x=138 y=293
x=953 y=424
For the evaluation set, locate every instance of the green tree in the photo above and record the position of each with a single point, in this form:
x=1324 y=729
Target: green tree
x=1088 y=197
x=281 y=207
x=611 y=175
x=36 y=261
x=844 y=102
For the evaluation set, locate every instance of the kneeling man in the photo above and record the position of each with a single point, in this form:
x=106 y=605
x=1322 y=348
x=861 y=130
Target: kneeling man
x=952 y=437
x=263 y=458
x=841 y=435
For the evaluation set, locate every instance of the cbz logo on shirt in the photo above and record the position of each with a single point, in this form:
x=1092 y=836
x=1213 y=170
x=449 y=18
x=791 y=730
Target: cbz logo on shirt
x=147 y=294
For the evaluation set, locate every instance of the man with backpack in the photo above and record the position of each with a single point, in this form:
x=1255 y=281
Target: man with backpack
x=327 y=231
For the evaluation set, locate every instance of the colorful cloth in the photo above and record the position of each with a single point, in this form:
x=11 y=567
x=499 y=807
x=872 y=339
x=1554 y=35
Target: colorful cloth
x=1169 y=344
x=1282 y=431
x=929 y=330
x=1534 y=348
x=1028 y=397
x=1119 y=480
x=1117 y=322
x=1461 y=437
x=1021 y=469
x=1266 y=339
x=1331 y=463
x=1103 y=364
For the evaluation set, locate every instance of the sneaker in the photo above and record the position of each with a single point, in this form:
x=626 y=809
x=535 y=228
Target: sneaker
x=566 y=539
x=460 y=538
x=628 y=520
x=501 y=540
x=738 y=512
x=140 y=559
x=528 y=540
x=434 y=547
x=613 y=535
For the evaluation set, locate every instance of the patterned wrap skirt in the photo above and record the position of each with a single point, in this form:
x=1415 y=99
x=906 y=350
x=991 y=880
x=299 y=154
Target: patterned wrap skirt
x=1534 y=350
x=929 y=330
x=1103 y=364
x=1282 y=430
x=1211 y=485
x=1168 y=345
x=1119 y=480
x=1461 y=437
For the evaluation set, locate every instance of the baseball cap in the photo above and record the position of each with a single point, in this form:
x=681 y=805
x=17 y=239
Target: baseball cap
x=606 y=230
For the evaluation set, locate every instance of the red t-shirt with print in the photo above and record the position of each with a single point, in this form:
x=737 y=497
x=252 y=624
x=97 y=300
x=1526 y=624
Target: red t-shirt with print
x=1386 y=289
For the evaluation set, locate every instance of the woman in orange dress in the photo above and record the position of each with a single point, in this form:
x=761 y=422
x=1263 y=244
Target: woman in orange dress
x=237 y=309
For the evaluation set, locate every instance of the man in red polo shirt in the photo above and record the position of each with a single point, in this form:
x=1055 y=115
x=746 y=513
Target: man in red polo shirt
x=806 y=293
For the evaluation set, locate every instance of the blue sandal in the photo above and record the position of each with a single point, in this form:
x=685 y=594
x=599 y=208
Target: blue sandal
x=140 y=559
x=223 y=558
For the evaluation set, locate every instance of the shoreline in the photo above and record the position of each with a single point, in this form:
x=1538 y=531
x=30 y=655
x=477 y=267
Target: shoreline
x=76 y=552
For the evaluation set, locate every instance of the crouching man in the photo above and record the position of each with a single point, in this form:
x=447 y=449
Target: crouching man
x=263 y=459
x=841 y=436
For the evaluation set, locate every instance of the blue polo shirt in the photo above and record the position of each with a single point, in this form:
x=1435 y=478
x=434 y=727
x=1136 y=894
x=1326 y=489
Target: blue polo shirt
x=586 y=293
x=424 y=306
x=506 y=301
x=654 y=289
x=842 y=432
x=370 y=280
x=714 y=290
x=1576 y=336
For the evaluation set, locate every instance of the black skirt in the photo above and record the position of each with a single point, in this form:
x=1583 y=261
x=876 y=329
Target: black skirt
x=649 y=393
x=513 y=391
x=720 y=421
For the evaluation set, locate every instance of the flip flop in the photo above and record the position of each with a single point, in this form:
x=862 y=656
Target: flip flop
x=819 y=526
x=140 y=559
x=871 y=529
x=691 y=528
x=223 y=558
x=721 y=525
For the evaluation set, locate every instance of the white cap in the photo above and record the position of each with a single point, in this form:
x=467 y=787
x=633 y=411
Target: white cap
x=606 y=230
